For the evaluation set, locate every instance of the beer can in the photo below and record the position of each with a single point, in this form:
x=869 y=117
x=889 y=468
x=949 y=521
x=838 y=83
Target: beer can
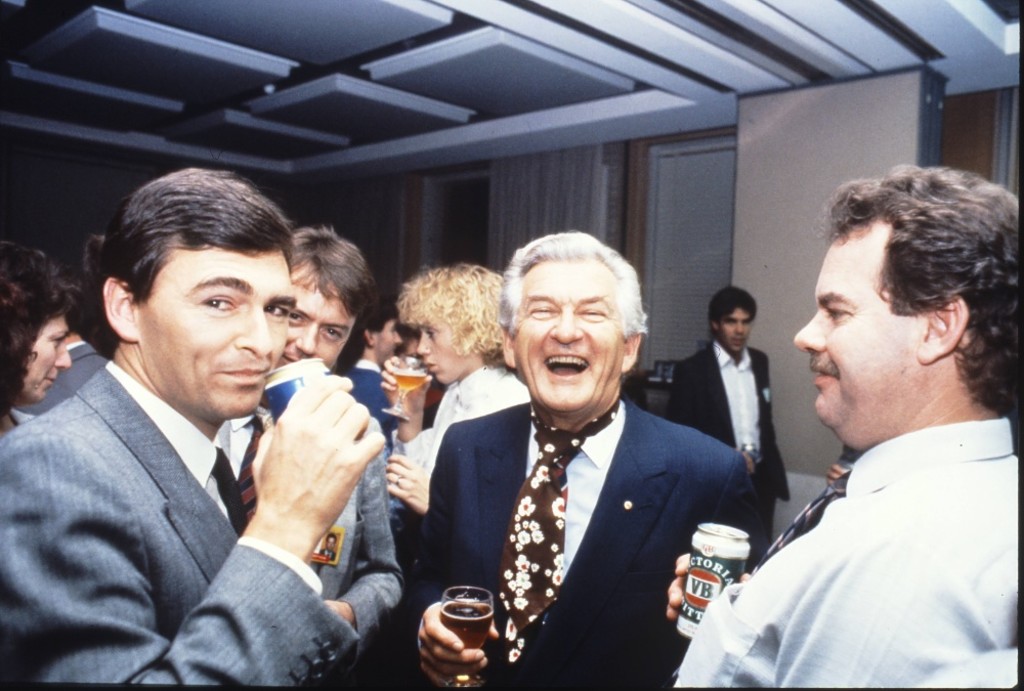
x=717 y=559
x=284 y=382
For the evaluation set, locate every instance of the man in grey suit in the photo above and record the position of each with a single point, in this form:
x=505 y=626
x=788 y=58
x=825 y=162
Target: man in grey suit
x=119 y=562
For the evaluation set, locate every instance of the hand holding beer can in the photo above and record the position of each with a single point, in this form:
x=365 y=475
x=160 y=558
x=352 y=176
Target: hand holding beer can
x=717 y=559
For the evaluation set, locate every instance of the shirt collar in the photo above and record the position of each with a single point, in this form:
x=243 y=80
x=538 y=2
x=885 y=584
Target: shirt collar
x=929 y=448
x=476 y=382
x=724 y=359
x=197 y=452
x=367 y=364
x=599 y=448
x=475 y=386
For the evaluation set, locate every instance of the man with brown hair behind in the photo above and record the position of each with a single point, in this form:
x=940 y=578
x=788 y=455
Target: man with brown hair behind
x=333 y=287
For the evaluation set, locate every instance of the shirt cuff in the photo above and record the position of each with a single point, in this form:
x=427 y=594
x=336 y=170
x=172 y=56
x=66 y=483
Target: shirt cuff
x=301 y=569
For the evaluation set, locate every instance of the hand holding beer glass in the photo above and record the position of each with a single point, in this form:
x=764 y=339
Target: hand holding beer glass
x=409 y=375
x=467 y=611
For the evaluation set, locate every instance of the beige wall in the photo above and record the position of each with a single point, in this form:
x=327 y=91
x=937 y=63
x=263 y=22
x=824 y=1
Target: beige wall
x=794 y=148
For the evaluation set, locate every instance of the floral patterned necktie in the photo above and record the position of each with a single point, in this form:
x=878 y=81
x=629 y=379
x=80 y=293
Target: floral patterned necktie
x=532 y=562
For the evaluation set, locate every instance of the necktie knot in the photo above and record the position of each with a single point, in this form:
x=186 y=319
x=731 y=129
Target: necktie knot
x=809 y=517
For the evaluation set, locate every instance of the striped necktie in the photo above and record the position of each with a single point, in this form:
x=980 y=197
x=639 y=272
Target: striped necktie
x=246 y=482
x=808 y=518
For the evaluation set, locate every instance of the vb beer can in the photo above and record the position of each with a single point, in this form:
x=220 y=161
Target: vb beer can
x=717 y=559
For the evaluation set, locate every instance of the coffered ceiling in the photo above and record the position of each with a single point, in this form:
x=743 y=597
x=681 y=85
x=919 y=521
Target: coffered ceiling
x=333 y=89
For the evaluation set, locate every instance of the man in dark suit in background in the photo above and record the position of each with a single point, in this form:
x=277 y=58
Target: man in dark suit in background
x=723 y=390
x=637 y=488
x=119 y=562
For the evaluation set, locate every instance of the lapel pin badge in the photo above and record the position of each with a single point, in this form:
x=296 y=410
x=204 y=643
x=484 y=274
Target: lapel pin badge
x=627 y=505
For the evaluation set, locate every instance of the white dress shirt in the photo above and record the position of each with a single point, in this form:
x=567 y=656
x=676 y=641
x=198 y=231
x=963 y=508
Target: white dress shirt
x=914 y=571
x=741 y=390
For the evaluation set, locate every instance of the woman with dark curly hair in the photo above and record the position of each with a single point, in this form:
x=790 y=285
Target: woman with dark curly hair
x=35 y=296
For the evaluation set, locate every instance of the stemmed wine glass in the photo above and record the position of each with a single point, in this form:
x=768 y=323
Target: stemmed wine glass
x=467 y=611
x=409 y=375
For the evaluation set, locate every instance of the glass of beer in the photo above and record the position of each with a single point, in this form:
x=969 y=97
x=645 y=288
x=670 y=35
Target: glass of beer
x=409 y=375
x=467 y=612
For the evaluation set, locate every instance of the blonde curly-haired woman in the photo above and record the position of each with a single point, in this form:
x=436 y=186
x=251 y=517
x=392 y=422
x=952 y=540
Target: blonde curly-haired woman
x=455 y=309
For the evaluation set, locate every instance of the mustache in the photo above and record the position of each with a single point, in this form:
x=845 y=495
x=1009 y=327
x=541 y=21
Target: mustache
x=822 y=365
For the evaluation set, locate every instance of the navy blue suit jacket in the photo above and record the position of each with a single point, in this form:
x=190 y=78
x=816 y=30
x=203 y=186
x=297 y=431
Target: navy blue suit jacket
x=608 y=627
x=366 y=390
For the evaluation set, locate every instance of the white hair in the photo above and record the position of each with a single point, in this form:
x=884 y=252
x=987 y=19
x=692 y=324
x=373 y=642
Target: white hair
x=572 y=246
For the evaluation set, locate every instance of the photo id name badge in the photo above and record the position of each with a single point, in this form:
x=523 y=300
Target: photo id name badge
x=329 y=549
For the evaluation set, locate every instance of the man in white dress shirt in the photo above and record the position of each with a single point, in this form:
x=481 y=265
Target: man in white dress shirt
x=914 y=351
x=724 y=390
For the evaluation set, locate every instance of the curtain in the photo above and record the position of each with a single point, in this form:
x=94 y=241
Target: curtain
x=543 y=193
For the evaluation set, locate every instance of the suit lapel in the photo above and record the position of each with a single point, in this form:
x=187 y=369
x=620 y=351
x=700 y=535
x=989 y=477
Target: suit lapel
x=719 y=399
x=760 y=368
x=630 y=504
x=501 y=465
x=196 y=518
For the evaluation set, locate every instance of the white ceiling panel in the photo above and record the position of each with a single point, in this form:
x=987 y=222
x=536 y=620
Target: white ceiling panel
x=56 y=96
x=492 y=71
x=669 y=41
x=232 y=130
x=355 y=87
x=318 y=31
x=845 y=30
x=792 y=36
x=144 y=56
x=583 y=46
x=355 y=108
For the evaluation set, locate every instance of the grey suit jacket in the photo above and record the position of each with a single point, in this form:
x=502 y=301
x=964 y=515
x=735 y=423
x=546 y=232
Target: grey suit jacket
x=117 y=566
x=367 y=575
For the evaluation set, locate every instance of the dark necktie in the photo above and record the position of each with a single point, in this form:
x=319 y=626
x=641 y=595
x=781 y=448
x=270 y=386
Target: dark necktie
x=227 y=487
x=808 y=518
x=532 y=559
x=246 y=483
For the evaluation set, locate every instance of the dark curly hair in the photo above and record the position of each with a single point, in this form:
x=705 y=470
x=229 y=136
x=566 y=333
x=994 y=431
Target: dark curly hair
x=33 y=290
x=728 y=300
x=954 y=235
